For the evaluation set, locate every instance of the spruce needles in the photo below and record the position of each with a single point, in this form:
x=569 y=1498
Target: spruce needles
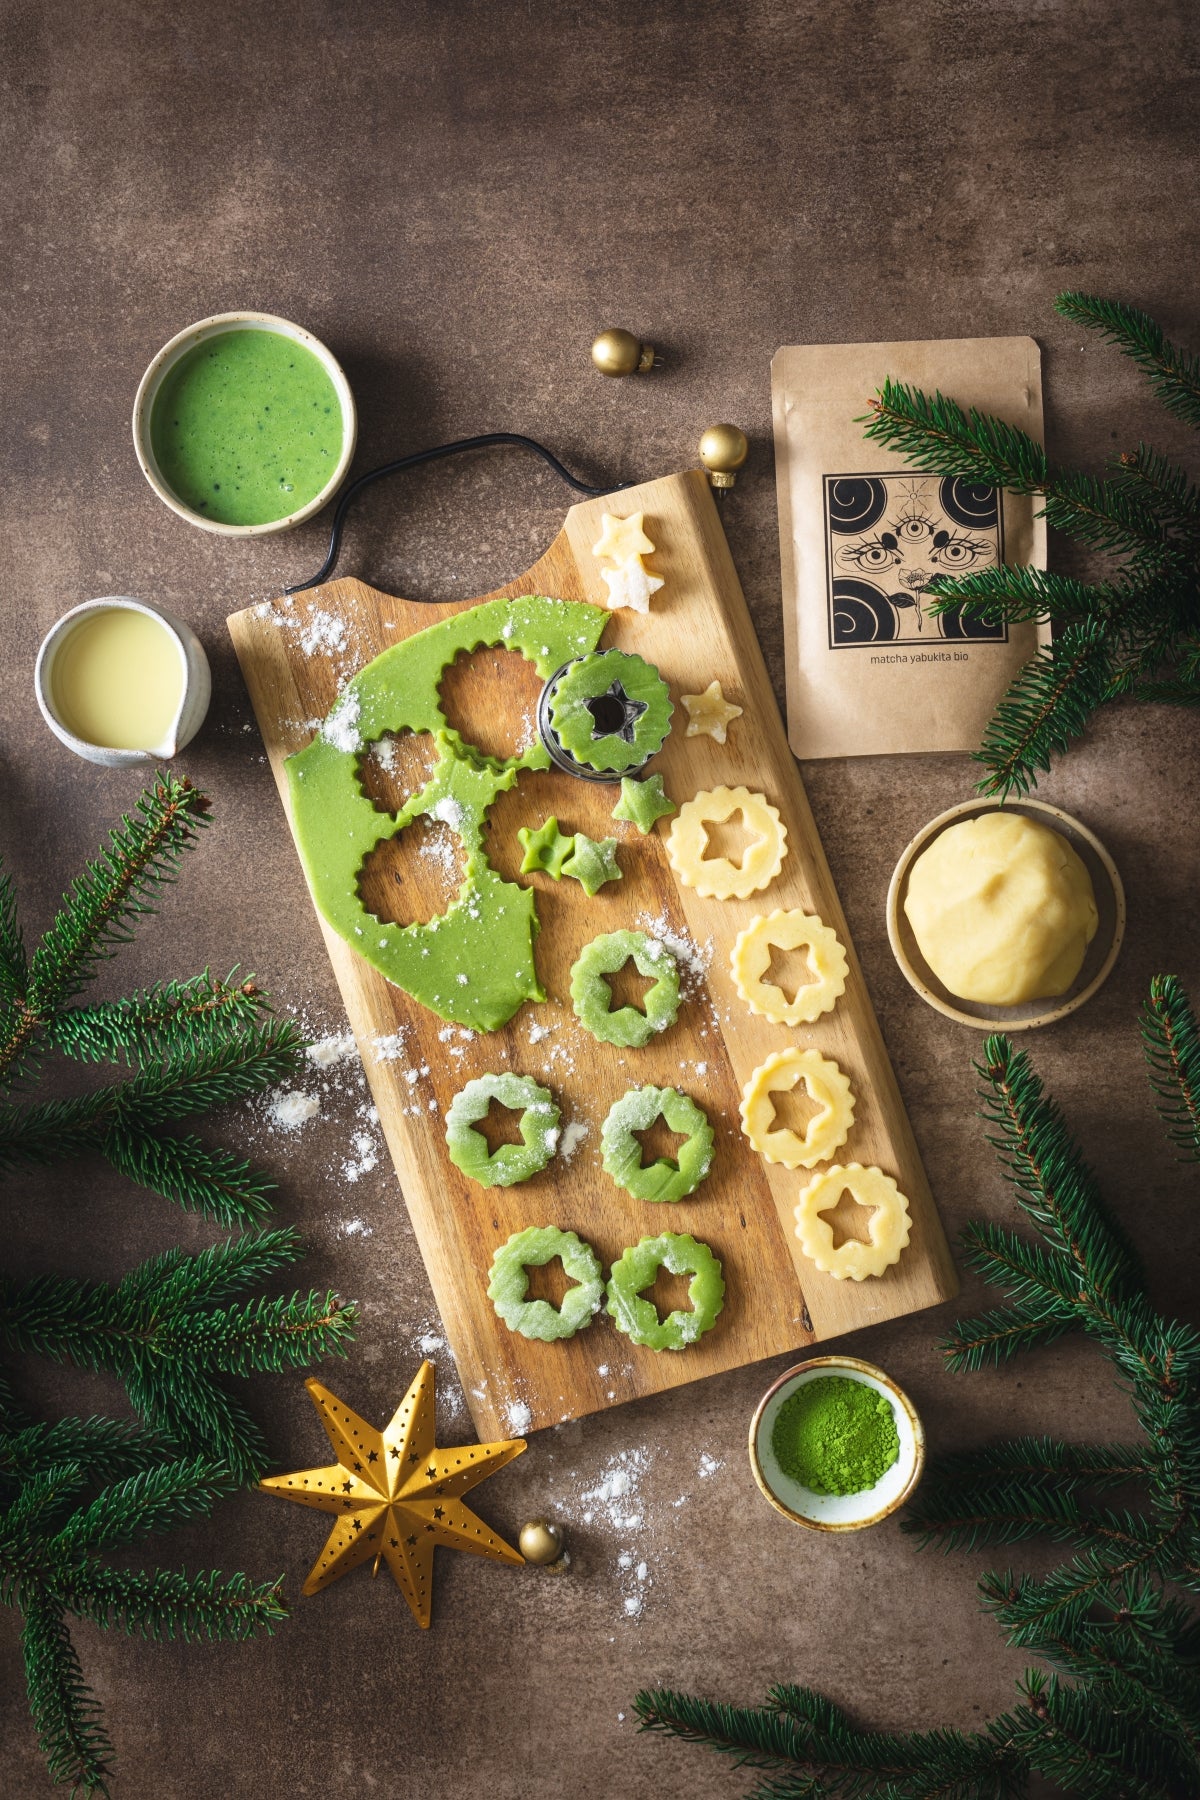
x=1133 y=635
x=176 y=1330
x=1116 y=1715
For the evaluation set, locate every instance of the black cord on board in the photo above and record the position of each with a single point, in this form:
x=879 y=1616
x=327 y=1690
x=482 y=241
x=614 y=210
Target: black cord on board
x=487 y=441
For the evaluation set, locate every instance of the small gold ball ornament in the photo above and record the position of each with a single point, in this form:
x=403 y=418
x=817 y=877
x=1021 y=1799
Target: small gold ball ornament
x=723 y=450
x=617 y=352
x=540 y=1541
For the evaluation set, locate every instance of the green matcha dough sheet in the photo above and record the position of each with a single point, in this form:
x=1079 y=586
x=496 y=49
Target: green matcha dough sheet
x=473 y=964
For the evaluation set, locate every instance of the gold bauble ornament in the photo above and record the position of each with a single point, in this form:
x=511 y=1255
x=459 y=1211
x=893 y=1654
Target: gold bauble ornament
x=723 y=450
x=540 y=1541
x=395 y=1494
x=617 y=352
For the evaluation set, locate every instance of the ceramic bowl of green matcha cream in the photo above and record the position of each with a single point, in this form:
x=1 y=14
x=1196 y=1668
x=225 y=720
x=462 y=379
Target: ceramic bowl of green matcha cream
x=835 y=1445
x=244 y=424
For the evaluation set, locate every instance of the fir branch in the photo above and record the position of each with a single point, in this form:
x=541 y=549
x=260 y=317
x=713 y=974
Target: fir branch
x=1092 y=1465
x=942 y=439
x=1019 y=593
x=114 y=1447
x=225 y=1187
x=965 y=1514
x=1171 y=1043
x=1174 y=374
x=1175 y=498
x=14 y=964
x=66 y=1715
x=168 y=1603
x=169 y=1020
x=104 y=903
x=152 y=1500
x=1050 y=701
x=993 y=1338
x=1082 y=1743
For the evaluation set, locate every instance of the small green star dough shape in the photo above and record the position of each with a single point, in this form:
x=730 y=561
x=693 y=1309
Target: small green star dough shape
x=487 y=934
x=593 y=862
x=533 y=1249
x=642 y=802
x=511 y=1162
x=621 y=1153
x=637 y=1268
x=591 y=996
x=611 y=710
x=546 y=849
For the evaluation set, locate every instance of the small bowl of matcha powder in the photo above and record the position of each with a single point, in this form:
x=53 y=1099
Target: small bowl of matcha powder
x=835 y=1445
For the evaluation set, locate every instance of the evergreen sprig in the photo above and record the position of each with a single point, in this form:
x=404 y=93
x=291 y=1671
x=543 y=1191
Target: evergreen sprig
x=179 y=1329
x=1116 y=1716
x=1133 y=635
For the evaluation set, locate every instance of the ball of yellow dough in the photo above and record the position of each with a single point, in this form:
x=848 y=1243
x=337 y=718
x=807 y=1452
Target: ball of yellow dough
x=1002 y=909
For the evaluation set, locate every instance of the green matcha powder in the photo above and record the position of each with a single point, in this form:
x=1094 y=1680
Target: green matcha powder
x=835 y=1436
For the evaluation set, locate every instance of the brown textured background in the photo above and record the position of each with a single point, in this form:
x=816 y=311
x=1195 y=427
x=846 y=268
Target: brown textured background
x=456 y=197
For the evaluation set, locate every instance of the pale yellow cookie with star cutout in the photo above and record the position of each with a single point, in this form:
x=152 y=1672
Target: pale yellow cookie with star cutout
x=716 y=877
x=829 y=1126
x=710 y=714
x=888 y=1229
x=621 y=539
x=750 y=959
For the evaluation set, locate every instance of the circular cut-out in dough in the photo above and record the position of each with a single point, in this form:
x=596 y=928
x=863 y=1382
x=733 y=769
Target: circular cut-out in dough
x=592 y=997
x=511 y=1163
x=716 y=877
x=533 y=1248
x=636 y=1269
x=750 y=959
x=621 y=1154
x=827 y=1129
x=889 y=1227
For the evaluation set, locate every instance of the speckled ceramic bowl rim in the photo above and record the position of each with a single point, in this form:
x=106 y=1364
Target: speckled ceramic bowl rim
x=852 y=1365
x=178 y=346
x=998 y=1018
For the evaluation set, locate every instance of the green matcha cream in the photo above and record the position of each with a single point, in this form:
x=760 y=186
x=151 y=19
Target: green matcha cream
x=247 y=427
x=835 y=1436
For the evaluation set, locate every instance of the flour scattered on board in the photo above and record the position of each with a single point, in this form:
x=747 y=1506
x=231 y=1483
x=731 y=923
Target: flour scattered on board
x=519 y=1417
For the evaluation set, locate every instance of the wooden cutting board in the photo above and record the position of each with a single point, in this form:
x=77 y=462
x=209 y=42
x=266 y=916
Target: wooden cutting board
x=295 y=655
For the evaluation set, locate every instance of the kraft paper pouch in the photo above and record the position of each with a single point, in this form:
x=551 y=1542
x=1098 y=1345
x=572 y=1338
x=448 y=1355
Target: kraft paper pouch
x=870 y=668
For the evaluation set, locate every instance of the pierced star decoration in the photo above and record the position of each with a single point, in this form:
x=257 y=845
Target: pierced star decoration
x=395 y=1494
x=710 y=713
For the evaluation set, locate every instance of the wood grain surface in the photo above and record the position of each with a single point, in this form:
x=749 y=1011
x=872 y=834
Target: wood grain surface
x=295 y=655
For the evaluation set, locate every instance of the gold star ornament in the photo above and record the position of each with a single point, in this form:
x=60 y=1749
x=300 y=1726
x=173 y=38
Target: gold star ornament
x=395 y=1495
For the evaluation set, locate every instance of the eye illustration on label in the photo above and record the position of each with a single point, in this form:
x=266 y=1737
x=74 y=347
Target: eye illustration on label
x=887 y=538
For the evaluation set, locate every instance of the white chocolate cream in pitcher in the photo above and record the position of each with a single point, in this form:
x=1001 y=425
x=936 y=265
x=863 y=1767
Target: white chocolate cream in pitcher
x=117 y=679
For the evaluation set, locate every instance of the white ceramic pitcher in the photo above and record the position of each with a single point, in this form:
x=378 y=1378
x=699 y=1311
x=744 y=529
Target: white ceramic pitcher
x=195 y=691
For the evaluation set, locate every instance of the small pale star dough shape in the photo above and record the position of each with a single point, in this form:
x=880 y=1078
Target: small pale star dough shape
x=750 y=959
x=593 y=863
x=889 y=1227
x=828 y=1128
x=631 y=585
x=710 y=714
x=546 y=849
x=715 y=877
x=622 y=539
x=643 y=802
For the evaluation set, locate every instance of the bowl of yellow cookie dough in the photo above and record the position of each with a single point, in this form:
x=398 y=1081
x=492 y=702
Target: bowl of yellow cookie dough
x=1021 y=901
